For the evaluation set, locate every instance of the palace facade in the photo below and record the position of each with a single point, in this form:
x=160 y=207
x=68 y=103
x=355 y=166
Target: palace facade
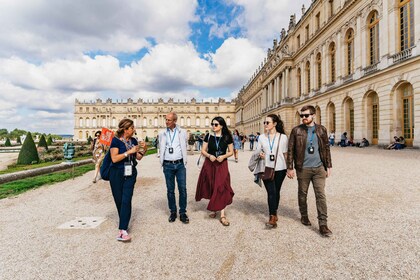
x=148 y=117
x=356 y=61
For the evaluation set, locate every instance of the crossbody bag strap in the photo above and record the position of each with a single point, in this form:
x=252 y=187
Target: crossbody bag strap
x=277 y=152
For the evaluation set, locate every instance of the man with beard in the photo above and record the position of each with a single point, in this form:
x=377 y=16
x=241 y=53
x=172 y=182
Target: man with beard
x=309 y=151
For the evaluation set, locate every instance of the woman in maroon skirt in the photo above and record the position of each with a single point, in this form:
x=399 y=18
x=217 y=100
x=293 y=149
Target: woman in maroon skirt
x=214 y=180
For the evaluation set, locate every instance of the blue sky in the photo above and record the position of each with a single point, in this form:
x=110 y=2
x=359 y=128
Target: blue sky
x=52 y=52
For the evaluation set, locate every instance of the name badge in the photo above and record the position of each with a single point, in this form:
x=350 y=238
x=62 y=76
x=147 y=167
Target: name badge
x=171 y=150
x=218 y=153
x=128 y=169
x=272 y=158
x=311 y=150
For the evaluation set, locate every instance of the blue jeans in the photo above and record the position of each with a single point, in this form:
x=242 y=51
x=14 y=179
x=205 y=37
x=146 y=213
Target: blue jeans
x=122 y=190
x=172 y=170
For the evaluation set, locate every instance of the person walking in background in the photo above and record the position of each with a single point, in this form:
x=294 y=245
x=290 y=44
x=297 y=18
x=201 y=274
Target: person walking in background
x=237 y=144
x=273 y=149
x=214 y=180
x=156 y=145
x=309 y=151
x=331 y=137
x=98 y=154
x=343 y=140
x=173 y=158
x=125 y=152
x=251 y=138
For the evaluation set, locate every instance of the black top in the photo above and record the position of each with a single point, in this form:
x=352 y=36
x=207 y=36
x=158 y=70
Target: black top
x=212 y=147
x=122 y=148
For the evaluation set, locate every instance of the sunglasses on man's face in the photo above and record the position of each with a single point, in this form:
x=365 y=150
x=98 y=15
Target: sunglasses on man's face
x=305 y=115
x=215 y=124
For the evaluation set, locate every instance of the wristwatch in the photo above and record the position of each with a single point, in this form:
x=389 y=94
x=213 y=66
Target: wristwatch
x=125 y=154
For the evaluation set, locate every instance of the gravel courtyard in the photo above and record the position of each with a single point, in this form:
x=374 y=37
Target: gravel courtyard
x=373 y=201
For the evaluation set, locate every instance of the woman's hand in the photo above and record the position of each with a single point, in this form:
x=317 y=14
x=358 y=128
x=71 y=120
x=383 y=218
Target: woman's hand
x=212 y=158
x=133 y=150
x=262 y=155
x=220 y=158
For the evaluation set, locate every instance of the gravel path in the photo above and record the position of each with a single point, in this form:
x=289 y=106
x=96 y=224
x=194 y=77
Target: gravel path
x=373 y=199
x=7 y=159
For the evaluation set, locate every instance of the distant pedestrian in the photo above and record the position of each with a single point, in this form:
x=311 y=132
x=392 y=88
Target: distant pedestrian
x=125 y=151
x=331 y=137
x=251 y=138
x=309 y=152
x=237 y=144
x=214 y=180
x=173 y=158
x=98 y=153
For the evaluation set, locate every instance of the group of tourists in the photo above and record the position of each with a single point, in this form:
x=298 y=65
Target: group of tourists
x=275 y=157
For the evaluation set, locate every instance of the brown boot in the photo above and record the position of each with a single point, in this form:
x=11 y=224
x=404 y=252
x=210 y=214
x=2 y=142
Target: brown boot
x=276 y=217
x=272 y=222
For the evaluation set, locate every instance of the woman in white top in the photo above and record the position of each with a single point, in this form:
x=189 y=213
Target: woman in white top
x=267 y=145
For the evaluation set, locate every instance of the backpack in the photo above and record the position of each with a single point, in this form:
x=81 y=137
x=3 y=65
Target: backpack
x=106 y=166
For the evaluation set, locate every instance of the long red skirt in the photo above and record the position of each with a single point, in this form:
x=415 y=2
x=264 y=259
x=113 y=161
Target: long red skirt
x=214 y=184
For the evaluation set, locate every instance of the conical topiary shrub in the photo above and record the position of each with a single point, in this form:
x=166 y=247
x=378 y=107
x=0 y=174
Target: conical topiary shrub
x=42 y=142
x=28 y=153
x=18 y=140
x=89 y=140
x=49 y=141
x=7 y=143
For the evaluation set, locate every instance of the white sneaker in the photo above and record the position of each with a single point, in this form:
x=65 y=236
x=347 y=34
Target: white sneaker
x=123 y=236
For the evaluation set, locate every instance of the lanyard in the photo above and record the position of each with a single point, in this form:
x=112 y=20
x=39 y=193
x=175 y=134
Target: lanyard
x=128 y=146
x=271 y=143
x=217 y=142
x=171 y=138
x=312 y=136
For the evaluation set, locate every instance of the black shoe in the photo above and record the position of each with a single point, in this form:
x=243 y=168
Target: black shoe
x=305 y=220
x=172 y=217
x=184 y=218
x=324 y=231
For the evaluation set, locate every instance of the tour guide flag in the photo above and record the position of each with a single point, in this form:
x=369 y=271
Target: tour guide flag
x=106 y=136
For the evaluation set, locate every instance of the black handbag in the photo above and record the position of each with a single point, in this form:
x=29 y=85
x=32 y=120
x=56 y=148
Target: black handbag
x=269 y=172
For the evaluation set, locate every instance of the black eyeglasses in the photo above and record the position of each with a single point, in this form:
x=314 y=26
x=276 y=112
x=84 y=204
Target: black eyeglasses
x=97 y=135
x=266 y=122
x=214 y=124
x=305 y=115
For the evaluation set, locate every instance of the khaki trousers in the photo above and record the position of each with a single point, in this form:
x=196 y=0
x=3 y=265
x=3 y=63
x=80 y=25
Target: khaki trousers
x=317 y=176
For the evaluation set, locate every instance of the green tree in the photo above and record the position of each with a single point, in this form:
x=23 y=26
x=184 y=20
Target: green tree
x=17 y=133
x=18 y=140
x=28 y=152
x=42 y=142
x=7 y=143
x=146 y=140
x=49 y=141
x=3 y=133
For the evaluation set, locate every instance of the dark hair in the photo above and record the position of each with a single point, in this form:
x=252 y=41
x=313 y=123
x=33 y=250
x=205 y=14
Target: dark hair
x=97 y=133
x=227 y=136
x=279 y=123
x=124 y=125
x=237 y=132
x=308 y=107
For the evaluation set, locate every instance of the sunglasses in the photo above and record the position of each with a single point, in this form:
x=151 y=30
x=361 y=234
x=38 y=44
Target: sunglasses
x=215 y=124
x=266 y=122
x=305 y=115
x=97 y=135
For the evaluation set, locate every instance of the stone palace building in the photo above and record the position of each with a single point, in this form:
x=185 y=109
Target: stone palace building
x=148 y=116
x=356 y=61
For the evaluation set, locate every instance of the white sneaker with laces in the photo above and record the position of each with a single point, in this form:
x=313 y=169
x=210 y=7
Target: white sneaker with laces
x=123 y=236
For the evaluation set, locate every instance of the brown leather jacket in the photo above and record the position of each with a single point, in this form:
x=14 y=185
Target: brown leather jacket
x=297 y=146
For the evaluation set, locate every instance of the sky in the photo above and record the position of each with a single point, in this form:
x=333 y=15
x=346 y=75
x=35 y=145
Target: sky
x=53 y=52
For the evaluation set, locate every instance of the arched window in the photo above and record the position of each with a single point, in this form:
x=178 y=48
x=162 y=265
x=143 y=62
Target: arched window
x=332 y=62
x=87 y=122
x=155 y=121
x=197 y=121
x=373 y=27
x=308 y=77
x=299 y=82
x=144 y=121
x=80 y=123
x=94 y=124
x=319 y=70
x=406 y=16
x=114 y=122
x=349 y=51
x=182 y=121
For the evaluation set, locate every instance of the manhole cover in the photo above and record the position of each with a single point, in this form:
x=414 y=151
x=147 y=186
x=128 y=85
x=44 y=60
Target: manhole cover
x=83 y=223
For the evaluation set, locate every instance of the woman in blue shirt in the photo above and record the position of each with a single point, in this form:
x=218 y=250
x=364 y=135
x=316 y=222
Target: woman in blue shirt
x=125 y=152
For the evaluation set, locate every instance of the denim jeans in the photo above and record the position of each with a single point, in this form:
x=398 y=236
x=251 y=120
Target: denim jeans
x=273 y=191
x=317 y=176
x=179 y=172
x=122 y=190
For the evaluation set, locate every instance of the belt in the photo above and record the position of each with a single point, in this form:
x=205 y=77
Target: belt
x=174 y=161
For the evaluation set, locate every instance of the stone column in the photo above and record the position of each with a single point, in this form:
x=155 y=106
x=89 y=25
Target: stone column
x=339 y=54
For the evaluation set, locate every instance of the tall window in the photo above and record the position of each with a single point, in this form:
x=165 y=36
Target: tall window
x=375 y=117
x=299 y=80
x=308 y=77
x=317 y=21
x=349 y=51
x=373 y=27
x=298 y=41
x=307 y=33
x=332 y=62
x=331 y=8
x=408 y=113
x=319 y=70
x=406 y=11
